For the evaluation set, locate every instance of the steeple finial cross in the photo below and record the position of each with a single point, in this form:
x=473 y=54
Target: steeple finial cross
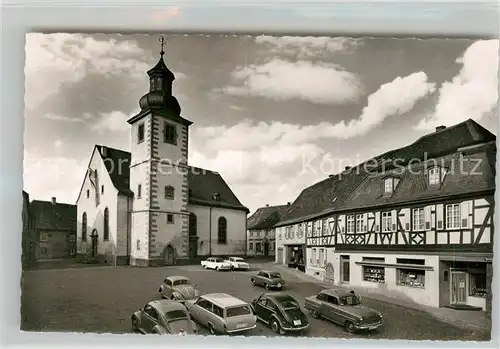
x=163 y=43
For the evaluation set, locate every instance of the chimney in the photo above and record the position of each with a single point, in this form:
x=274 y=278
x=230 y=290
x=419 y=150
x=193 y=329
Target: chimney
x=288 y=203
x=331 y=176
x=440 y=128
x=267 y=205
x=347 y=168
x=53 y=200
x=103 y=150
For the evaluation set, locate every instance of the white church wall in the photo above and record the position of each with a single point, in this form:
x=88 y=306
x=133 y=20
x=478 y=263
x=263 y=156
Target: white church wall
x=207 y=218
x=95 y=214
x=123 y=226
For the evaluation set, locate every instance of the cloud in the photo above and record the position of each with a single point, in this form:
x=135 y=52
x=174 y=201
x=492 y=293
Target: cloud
x=116 y=121
x=393 y=98
x=470 y=94
x=308 y=46
x=281 y=80
x=57 y=60
x=168 y=13
x=58 y=143
x=52 y=176
x=57 y=117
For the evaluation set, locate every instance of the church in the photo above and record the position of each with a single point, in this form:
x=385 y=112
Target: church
x=149 y=207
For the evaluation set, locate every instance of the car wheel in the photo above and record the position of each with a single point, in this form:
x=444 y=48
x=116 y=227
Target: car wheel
x=232 y=268
x=275 y=326
x=211 y=328
x=135 y=324
x=349 y=326
x=315 y=313
x=253 y=282
x=217 y=269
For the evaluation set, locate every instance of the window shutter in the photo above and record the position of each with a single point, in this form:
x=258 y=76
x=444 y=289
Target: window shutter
x=427 y=215
x=394 y=220
x=464 y=214
x=175 y=134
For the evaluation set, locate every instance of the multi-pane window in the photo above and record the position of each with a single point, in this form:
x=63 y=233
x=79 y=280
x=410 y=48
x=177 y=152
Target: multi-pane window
x=325 y=227
x=387 y=221
x=170 y=218
x=169 y=192
x=84 y=226
x=350 y=224
x=140 y=133
x=453 y=216
x=388 y=185
x=222 y=231
x=434 y=174
x=250 y=246
x=169 y=133
x=418 y=219
x=359 y=223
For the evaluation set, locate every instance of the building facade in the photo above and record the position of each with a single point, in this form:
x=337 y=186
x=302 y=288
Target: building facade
x=28 y=233
x=261 y=234
x=158 y=209
x=421 y=231
x=54 y=226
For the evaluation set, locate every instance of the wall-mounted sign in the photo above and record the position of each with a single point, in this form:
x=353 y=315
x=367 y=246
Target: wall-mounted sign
x=462 y=284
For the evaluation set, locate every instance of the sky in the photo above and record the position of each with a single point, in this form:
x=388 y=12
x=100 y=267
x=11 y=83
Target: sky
x=271 y=114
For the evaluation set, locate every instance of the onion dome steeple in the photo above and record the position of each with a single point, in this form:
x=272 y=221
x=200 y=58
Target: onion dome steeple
x=160 y=87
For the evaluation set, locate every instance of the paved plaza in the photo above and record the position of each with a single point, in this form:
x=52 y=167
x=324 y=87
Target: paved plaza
x=102 y=299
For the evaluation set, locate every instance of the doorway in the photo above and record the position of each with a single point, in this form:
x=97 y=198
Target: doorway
x=193 y=236
x=169 y=255
x=94 y=236
x=280 y=255
x=266 y=249
x=345 y=272
x=458 y=287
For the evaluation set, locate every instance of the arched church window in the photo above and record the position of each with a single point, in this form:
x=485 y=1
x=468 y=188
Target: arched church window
x=84 y=226
x=169 y=192
x=106 y=225
x=222 y=231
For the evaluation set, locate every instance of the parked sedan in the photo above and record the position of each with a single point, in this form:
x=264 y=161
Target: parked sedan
x=238 y=263
x=163 y=317
x=178 y=288
x=215 y=263
x=268 y=279
x=280 y=311
x=343 y=308
x=222 y=313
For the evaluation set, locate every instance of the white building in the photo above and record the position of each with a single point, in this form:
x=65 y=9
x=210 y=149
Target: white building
x=149 y=206
x=261 y=234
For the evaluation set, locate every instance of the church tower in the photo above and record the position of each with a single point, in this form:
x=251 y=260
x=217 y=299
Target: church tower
x=159 y=174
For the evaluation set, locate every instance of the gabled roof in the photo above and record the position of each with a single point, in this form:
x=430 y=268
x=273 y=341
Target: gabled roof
x=117 y=164
x=53 y=216
x=203 y=184
x=472 y=173
x=318 y=198
x=266 y=217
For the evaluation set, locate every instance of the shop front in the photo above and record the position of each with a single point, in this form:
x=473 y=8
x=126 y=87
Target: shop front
x=296 y=256
x=465 y=284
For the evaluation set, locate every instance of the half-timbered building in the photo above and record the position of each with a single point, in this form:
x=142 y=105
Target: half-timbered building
x=414 y=223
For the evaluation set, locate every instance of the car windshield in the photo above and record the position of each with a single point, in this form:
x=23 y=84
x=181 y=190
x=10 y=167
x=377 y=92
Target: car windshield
x=237 y=311
x=237 y=259
x=218 y=260
x=349 y=300
x=181 y=282
x=274 y=275
x=175 y=315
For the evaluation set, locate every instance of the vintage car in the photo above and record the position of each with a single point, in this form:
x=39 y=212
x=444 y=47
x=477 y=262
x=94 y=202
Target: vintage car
x=237 y=263
x=163 y=317
x=343 y=308
x=269 y=279
x=215 y=263
x=222 y=313
x=280 y=311
x=178 y=288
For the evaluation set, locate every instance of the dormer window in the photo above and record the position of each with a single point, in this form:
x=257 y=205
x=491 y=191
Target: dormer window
x=388 y=185
x=434 y=176
x=216 y=196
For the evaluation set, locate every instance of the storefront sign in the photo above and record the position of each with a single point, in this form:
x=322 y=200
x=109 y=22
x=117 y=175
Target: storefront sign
x=462 y=284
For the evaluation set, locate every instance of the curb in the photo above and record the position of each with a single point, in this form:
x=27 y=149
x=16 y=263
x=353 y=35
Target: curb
x=371 y=296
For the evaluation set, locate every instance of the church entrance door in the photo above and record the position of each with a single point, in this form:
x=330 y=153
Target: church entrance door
x=169 y=255
x=94 y=243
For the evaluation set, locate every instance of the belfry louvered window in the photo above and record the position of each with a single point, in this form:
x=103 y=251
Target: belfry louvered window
x=169 y=133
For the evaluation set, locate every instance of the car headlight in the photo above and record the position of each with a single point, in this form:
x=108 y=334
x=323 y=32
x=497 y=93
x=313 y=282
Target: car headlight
x=361 y=319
